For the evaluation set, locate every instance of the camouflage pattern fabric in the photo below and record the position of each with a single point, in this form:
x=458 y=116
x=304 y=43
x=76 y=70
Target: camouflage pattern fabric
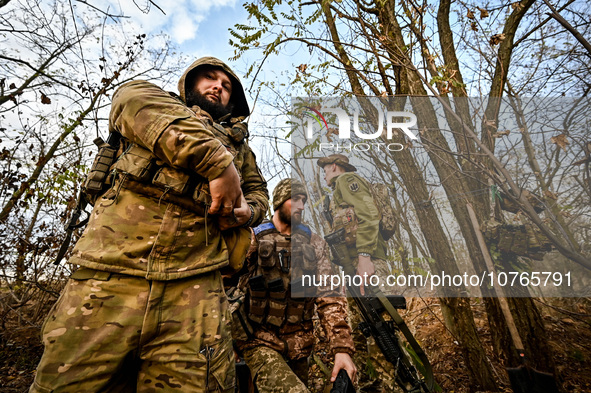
x=170 y=336
x=272 y=374
x=145 y=239
x=285 y=189
x=153 y=312
x=134 y=234
x=295 y=341
x=351 y=190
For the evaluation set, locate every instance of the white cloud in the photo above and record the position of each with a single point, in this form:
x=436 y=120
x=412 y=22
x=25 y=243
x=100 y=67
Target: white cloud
x=182 y=18
x=206 y=5
x=185 y=27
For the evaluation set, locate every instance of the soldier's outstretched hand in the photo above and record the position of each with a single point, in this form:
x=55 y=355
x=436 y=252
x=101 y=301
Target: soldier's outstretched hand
x=342 y=360
x=226 y=194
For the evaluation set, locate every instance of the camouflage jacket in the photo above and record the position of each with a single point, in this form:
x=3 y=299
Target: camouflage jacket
x=295 y=341
x=351 y=191
x=146 y=235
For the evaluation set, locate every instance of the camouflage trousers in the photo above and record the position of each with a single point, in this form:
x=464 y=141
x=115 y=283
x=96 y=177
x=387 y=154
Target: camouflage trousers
x=374 y=371
x=117 y=333
x=272 y=374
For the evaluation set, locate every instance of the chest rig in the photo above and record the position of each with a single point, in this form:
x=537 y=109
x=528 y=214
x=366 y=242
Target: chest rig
x=268 y=287
x=344 y=217
x=138 y=169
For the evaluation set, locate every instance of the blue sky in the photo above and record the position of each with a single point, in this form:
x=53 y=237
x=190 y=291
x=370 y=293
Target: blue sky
x=197 y=27
x=200 y=28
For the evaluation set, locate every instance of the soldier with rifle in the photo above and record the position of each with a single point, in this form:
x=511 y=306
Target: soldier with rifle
x=146 y=310
x=358 y=246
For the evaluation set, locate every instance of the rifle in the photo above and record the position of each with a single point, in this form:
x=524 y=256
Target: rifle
x=385 y=332
x=93 y=185
x=343 y=383
x=326 y=213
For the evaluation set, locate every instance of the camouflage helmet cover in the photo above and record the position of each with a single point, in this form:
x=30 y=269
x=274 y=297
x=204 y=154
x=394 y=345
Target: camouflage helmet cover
x=285 y=189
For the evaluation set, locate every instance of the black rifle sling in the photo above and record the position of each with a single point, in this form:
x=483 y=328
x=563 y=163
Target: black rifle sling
x=73 y=225
x=429 y=381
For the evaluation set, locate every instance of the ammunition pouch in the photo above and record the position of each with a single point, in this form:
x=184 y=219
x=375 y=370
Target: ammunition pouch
x=96 y=180
x=238 y=242
x=137 y=163
x=295 y=310
x=95 y=184
x=305 y=255
x=270 y=300
x=276 y=308
x=347 y=220
x=342 y=253
x=171 y=180
x=139 y=170
x=272 y=252
x=267 y=253
x=257 y=299
x=277 y=302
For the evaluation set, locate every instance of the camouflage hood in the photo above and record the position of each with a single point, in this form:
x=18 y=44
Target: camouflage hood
x=238 y=98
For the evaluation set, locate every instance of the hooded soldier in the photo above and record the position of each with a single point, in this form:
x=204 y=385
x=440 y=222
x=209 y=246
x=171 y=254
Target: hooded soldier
x=147 y=310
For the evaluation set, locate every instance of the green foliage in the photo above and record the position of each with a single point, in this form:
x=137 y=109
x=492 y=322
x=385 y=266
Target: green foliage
x=370 y=370
x=416 y=360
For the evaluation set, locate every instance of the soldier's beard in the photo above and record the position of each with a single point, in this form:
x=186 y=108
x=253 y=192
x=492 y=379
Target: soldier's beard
x=296 y=220
x=286 y=217
x=215 y=109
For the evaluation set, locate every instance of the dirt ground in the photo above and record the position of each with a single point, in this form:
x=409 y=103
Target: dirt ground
x=568 y=323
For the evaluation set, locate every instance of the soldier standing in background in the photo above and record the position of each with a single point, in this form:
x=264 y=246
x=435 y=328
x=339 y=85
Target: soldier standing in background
x=147 y=310
x=354 y=209
x=283 y=333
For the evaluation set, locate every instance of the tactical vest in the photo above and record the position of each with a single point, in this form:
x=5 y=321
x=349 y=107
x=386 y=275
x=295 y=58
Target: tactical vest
x=268 y=286
x=139 y=170
x=345 y=217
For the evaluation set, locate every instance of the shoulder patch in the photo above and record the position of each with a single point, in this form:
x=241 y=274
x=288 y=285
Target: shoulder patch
x=354 y=186
x=265 y=226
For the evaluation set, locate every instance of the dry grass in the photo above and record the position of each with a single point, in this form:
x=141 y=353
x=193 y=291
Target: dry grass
x=568 y=323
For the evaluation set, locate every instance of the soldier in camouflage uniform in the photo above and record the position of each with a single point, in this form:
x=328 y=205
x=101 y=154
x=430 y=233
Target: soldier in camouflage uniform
x=146 y=311
x=282 y=336
x=354 y=209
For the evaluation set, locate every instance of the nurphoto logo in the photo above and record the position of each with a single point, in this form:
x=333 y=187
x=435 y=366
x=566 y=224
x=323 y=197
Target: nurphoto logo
x=316 y=125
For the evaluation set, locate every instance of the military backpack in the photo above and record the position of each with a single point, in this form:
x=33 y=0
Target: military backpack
x=381 y=196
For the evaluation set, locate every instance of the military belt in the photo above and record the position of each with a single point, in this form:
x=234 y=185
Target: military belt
x=162 y=195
